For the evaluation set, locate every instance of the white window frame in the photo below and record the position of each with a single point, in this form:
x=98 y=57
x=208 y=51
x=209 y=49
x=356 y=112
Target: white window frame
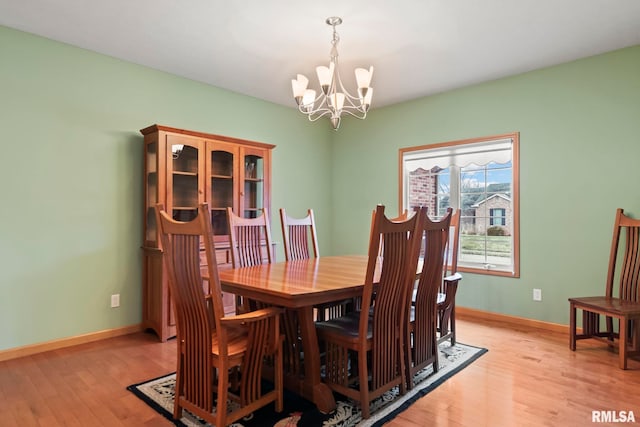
x=499 y=148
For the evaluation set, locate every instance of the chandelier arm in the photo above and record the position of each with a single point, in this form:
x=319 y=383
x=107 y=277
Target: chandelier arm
x=313 y=118
x=342 y=88
x=349 y=102
x=322 y=106
x=358 y=113
x=321 y=110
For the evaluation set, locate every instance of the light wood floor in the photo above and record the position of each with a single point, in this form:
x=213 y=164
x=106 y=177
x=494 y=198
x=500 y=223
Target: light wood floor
x=528 y=378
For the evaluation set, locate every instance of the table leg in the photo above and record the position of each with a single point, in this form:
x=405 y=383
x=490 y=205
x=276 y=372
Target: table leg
x=320 y=393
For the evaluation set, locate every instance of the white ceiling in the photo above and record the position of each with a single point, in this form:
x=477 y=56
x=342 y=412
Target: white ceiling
x=255 y=47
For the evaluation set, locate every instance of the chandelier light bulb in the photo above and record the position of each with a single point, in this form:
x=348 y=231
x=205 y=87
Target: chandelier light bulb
x=333 y=99
x=325 y=76
x=299 y=85
x=363 y=77
x=308 y=99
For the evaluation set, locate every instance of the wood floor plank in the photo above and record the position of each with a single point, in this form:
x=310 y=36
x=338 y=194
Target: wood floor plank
x=529 y=377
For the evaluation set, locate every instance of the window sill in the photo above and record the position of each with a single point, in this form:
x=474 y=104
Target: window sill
x=490 y=272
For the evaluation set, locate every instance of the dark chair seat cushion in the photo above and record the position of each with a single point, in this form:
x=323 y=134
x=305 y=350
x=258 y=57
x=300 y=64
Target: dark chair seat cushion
x=346 y=325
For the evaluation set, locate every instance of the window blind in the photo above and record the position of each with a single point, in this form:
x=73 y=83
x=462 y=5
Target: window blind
x=481 y=154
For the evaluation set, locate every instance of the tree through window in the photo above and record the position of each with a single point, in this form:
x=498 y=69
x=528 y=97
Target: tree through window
x=479 y=176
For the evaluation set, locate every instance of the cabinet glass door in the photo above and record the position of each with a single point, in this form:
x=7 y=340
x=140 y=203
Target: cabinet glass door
x=184 y=188
x=223 y=182
x=151 y=186
x=253 y=194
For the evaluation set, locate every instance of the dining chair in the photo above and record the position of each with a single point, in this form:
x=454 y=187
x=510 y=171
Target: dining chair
x=250 y=241
x=421 y=332
x=299 y=235
x=401 y=217
x=446 y=299
x=623 y=305
x=211 y=344
x=301 y=242
x=372 y=339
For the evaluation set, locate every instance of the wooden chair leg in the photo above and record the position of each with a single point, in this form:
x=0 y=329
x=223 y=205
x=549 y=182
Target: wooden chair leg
x=634 y=335
x=623 y=343
x=279 y=377
x=408 y=363
x=452 y=322
x=436 y=360
x=177 y=408
x=610 y=331
x=221 y=407
x=404 y=365
x=572 y=327
x=364 y=383
x=235 y=378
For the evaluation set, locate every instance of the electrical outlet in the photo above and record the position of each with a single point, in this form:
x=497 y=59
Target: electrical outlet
x=537 y=294
x=115 y=300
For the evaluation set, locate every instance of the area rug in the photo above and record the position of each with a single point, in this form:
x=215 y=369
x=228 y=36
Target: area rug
x=159 y=393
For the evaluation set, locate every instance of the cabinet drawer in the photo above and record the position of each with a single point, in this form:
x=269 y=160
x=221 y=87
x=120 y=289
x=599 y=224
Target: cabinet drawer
x=223 y=257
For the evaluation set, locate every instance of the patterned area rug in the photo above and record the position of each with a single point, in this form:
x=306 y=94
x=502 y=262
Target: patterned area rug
x=159 y=394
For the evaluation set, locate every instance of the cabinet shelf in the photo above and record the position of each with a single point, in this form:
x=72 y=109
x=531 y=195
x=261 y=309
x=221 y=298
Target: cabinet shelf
x=183 y=173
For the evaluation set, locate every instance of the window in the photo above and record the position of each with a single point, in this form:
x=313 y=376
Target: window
x=480 y=177
x=497 y=216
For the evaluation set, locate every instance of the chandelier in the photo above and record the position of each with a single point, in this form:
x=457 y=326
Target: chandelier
x=333 y=99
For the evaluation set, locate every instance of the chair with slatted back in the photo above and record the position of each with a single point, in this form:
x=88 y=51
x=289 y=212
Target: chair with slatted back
x=250 y=241
x=372 y=339
x=623 y=305
x=446 y=299
x=299 y=235
x=301 y=242
x=401 y=217
x=421 y=340
x=447 y=295
x=210 y=344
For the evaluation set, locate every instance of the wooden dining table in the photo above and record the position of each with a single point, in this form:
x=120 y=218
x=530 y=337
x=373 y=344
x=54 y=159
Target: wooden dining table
x=299 y=286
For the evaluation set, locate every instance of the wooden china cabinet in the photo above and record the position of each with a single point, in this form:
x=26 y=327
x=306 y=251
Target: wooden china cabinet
x=183 y=168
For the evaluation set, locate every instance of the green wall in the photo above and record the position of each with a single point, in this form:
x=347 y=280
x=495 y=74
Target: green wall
x=71 y=175
x=71 y=178
x=579 y=127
